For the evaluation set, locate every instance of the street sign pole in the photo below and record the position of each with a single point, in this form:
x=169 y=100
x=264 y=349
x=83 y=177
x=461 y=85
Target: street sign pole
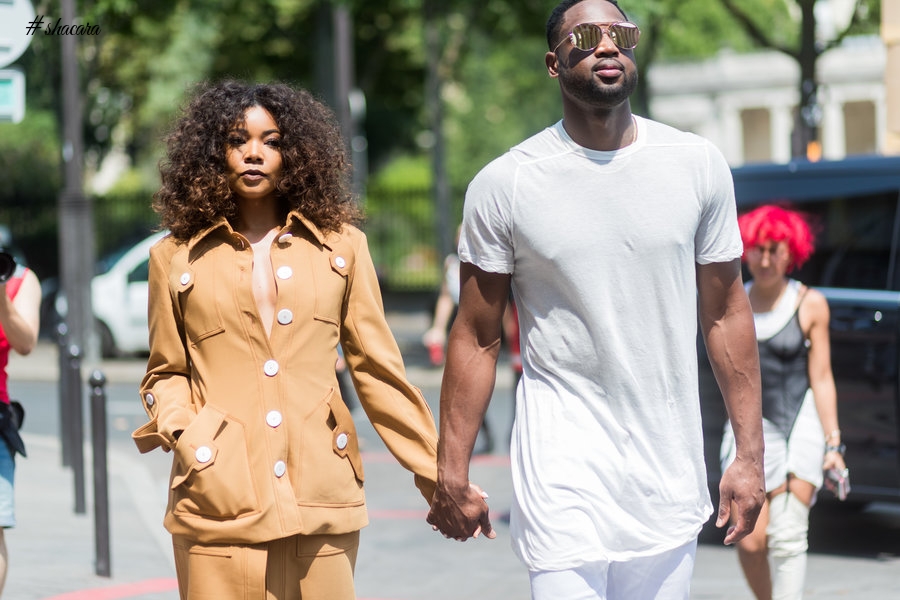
x=76 y=220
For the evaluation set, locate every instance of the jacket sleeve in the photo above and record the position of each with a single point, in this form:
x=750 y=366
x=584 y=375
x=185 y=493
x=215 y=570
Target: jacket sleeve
x=396 y=408
x=166 y=389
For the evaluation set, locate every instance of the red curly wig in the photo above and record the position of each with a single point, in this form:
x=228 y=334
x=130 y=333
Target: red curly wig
x=777 y=224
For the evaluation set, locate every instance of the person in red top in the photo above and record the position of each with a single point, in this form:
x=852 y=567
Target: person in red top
x=20 y=304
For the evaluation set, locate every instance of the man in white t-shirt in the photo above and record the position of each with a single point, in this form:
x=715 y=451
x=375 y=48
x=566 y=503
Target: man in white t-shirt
x=614 y=233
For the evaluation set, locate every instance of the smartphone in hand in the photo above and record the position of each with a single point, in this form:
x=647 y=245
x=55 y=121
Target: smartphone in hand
x=837 y=481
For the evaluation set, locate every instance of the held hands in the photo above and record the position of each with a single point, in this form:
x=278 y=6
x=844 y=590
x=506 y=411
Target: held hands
x=743 y=491
x=460 y=513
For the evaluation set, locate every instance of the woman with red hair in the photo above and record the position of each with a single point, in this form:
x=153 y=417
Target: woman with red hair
x=800 y=421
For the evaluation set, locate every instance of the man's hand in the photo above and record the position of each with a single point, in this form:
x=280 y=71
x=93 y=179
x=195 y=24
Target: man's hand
x=460 y=513
x=743 y=490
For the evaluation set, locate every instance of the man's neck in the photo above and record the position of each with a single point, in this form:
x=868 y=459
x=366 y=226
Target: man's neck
x=608 y=129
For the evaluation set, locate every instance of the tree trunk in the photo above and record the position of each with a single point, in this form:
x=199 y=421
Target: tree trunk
x=434 y=101
x=806 y=128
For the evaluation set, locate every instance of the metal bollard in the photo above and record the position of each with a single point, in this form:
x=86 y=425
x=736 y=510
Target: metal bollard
x=76 y=424
x=62 y=332
x=101 y=486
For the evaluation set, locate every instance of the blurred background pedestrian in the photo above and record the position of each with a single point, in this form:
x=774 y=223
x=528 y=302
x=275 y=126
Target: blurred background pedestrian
x=435 y=339
x=800 y=420
x=20 y=309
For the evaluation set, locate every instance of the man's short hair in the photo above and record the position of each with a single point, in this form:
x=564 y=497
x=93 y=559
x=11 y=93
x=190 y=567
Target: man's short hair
x=556 y=18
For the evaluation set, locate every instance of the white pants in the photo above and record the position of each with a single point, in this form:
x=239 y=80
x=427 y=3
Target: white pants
x=665 y=576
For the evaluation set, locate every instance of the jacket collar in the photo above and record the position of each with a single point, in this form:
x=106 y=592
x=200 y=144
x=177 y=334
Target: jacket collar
x=294 y=217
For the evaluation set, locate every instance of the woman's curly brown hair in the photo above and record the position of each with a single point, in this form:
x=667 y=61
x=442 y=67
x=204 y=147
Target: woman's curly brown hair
x=314 y=173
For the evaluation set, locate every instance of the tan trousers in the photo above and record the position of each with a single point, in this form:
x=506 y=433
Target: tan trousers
x=301 y=567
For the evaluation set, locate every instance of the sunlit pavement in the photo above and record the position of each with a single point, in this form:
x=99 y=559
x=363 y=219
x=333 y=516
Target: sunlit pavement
x=52 y=549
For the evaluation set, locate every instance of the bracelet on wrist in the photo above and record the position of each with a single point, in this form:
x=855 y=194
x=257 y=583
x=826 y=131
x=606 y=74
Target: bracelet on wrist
x=835 y=433
x=840 y=449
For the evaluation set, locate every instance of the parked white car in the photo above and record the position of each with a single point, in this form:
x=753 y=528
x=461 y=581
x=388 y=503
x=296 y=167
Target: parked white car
x=119 y=298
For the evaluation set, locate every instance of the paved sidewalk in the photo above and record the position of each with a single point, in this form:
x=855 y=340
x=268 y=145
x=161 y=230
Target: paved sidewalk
x=52 y=549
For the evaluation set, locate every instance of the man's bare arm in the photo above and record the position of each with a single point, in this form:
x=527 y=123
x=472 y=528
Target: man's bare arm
x=458 y=509
x=726 y=320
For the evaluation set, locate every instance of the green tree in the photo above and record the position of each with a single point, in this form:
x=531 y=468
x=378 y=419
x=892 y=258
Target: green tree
x=32 y=175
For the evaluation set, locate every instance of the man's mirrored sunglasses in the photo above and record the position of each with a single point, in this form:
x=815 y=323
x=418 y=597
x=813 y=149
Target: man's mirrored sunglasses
x=586 y=36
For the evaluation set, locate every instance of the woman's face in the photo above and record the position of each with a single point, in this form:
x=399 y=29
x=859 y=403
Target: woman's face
x=253 y=155
x=768 y=260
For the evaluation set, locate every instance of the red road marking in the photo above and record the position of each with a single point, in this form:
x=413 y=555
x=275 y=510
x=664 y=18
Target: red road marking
x=417 y=515
x=495 y=460
x=131 y=590
x=128 y=590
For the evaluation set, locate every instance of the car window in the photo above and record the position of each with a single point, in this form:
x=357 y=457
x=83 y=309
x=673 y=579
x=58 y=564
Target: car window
x=853 y=241
x=140 y=273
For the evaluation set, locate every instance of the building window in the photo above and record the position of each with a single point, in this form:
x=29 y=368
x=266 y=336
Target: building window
x=757 y=133
x=859 y=127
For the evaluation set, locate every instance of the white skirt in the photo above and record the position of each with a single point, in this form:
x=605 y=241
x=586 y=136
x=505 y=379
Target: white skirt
x=801 y=455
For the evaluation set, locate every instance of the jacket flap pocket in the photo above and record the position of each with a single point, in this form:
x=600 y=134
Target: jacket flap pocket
x=196 y=449
x=200 y=313
x=344 y=439
x=204 y=456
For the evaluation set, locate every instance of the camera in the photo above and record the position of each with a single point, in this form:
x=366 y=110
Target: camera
x=7 y=266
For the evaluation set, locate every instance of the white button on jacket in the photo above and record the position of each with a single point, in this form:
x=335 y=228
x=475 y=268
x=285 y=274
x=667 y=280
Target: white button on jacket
x=273 y=418
x=203 y=454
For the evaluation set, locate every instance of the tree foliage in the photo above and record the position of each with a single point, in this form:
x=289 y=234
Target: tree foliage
x=494 y=88
x=494 y=83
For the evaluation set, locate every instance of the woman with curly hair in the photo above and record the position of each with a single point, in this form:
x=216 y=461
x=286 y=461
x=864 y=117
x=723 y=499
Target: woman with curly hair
x=263 y=276
x=800 y=420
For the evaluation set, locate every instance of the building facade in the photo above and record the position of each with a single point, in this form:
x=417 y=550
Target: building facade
x=746 y=103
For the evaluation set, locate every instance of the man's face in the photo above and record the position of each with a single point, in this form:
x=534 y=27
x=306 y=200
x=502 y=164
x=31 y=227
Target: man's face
x=602 y=77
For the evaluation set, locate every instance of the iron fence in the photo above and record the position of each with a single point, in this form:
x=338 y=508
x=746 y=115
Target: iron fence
x=400 y=227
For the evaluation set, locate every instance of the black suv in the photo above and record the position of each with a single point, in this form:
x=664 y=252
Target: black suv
x=857 y=267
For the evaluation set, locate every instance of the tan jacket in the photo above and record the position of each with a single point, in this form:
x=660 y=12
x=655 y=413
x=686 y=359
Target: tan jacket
x=268 y=448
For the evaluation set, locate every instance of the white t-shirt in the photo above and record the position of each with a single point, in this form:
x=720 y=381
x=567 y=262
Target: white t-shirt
x=607 y=453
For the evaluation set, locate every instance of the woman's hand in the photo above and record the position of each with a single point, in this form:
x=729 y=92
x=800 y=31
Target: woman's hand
x=833 y=460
